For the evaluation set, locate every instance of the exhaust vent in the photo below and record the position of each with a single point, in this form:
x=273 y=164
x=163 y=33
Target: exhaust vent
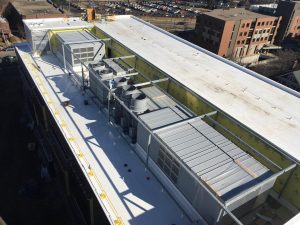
x=139 y=103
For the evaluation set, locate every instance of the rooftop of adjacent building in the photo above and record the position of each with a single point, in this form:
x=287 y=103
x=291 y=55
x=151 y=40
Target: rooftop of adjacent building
x=235 y=14
x=57 y=23
x=27 y=8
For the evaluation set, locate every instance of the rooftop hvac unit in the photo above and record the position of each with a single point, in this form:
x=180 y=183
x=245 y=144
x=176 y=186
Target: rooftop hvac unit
x=100 y=72
x=121 y=115
x=126 y=93
x=138 y=103
x=105 y=73
x=97 y=66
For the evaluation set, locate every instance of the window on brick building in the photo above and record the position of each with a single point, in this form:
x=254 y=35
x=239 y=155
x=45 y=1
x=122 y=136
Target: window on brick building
x=271 y=22
x=243 y=42
x=248 y=24
x=238 y=42
x=267 y=23
x=243 y=25
x=241 y=33
x=258 y=24
x=263 y=23
x=245 y=33
x=266 y=38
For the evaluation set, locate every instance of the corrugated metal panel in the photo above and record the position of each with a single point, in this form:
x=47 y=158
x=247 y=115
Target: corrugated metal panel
x=75 y=36
x=225 y=167
x=162 y=117
x=159 y=100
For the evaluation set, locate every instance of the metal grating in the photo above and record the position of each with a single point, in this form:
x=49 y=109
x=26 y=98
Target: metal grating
x=160 y=100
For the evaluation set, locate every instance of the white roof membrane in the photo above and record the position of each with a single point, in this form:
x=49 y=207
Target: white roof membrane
x=130 y=195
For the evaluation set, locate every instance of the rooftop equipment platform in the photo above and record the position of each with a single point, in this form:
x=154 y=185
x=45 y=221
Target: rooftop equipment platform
x=272 y=114
x=225 y=168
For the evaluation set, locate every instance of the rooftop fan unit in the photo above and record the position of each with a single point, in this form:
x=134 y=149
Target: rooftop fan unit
x=97 y=66
x=106 y=73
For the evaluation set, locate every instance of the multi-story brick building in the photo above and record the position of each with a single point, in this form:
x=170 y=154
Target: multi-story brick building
x=290 y=24
x=237 y=33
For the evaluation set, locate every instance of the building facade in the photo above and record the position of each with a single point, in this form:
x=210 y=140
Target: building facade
x=237 y=34
x=290 y=25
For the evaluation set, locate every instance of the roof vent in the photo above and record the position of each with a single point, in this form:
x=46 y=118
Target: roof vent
x=139 y=103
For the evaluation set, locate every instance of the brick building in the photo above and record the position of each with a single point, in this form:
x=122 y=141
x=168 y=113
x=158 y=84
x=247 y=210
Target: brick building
x=237 y=33
x=290 y=24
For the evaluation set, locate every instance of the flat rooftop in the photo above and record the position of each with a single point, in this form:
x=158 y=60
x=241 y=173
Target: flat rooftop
x=252 y=100
x=56 y=23
x=32 y=8
x=235 y=14
x=126 y=197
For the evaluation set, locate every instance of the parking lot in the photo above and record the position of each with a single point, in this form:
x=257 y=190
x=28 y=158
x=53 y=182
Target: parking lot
x=155 y=9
